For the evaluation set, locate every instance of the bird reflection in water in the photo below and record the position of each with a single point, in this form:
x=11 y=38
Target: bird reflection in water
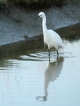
x=51 y=73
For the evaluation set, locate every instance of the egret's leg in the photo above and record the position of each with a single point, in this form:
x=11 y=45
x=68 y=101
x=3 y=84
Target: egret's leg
x=57 y=54
x=49 y=54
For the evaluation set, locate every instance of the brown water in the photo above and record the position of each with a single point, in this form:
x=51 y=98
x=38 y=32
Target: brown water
x=27 y=78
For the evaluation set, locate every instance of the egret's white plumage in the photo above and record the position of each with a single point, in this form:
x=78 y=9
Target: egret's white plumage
x=51 y=38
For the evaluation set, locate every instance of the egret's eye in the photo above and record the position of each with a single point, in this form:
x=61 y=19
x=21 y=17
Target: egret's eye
x=40 y=15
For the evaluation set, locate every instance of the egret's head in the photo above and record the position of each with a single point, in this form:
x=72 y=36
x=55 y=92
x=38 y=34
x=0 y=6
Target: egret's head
x=41 y=15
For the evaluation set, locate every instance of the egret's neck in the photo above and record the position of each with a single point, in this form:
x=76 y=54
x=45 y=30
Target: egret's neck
x=44 y=25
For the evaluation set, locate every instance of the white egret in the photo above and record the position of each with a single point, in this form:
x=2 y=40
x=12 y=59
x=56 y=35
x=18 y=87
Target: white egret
x=51 y=38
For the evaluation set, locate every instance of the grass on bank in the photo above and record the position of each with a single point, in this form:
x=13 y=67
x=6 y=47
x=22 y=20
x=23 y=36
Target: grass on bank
x=34 y=3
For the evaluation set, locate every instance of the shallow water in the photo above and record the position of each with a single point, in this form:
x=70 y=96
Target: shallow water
x=27 y=77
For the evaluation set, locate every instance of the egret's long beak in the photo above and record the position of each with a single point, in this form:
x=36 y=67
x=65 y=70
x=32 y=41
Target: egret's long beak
x=36 y=18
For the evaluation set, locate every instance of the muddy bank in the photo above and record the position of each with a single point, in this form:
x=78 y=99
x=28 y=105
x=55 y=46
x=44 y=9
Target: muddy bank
x=18 y=24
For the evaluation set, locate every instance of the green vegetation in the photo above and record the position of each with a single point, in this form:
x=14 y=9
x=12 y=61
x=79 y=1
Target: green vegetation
x=40 y=3
x=3 y=1
x=34 y=3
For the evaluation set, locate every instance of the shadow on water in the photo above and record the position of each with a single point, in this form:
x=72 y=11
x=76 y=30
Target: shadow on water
x=51 y=74
x=16 y=49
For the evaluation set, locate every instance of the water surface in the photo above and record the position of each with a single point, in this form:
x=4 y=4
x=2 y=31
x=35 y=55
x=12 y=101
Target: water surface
x=27 y=77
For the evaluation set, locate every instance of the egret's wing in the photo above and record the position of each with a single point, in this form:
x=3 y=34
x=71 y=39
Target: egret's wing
x=55 y=37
